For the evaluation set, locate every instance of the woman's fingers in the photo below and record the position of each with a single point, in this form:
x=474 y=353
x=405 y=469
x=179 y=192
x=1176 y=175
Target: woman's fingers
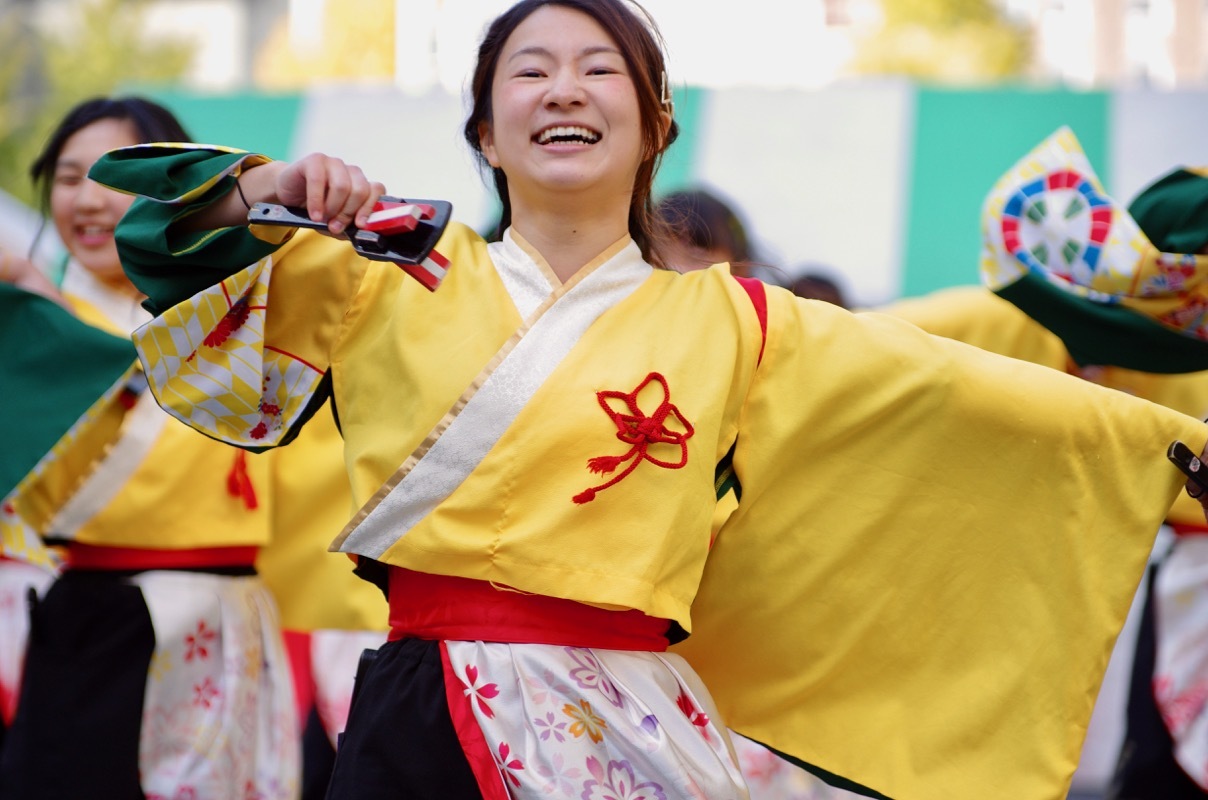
x=331 y=190
x=352 y=192
x=376 y=190
x=321 y=184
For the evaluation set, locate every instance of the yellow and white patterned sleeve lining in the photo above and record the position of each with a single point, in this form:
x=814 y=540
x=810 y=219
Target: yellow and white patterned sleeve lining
x=209 y=366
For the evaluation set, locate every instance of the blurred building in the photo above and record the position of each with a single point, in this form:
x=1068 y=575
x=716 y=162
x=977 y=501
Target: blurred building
x=881 y=179
x=1084 y=43
x=714 y=43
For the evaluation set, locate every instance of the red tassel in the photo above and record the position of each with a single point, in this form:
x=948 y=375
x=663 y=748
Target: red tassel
x=239 y=484
x=605 y=464
x=127 y=398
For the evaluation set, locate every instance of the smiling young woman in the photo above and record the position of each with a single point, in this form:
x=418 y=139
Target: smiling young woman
x=537 y=463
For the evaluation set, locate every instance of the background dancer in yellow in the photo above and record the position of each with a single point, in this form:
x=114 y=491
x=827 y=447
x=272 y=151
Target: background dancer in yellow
x=155 y=662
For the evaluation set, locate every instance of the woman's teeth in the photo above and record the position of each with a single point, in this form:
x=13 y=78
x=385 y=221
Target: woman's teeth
x=568 y=134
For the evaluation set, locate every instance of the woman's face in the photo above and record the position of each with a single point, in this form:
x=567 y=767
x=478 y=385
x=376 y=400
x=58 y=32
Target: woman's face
x=565 y=113
x=84 y=212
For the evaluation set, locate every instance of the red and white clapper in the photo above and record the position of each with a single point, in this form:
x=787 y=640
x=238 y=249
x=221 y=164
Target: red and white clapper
x=390 y=218
x=403 y=232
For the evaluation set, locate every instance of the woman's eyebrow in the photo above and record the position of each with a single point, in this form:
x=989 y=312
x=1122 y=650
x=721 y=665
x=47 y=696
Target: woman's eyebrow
x=538 y=50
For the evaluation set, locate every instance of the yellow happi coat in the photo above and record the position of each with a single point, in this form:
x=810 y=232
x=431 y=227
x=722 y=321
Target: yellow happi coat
x=934 y=549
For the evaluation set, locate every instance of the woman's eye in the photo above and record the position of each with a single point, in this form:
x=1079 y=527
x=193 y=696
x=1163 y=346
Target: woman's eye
x=66 y=180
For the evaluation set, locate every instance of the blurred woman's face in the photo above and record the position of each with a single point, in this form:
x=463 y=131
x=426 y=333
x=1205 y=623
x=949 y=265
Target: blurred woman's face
x=84 y=212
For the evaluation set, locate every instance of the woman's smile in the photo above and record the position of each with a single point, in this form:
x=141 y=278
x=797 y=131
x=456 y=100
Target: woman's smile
x=567 y=134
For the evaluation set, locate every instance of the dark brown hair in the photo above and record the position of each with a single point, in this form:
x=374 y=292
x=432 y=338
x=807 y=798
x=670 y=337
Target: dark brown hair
x=703 y=219
x=637 y=37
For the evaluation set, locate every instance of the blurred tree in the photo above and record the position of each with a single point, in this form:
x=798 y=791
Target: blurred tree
x=947 y=41
x=46 y=70
x=338 y=45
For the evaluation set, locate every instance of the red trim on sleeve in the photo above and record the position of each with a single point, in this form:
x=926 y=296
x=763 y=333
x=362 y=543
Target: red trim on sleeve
x=759 y=298
x=473 y=743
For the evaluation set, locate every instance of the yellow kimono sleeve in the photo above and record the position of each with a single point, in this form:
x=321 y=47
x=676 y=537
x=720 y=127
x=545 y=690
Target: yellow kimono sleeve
x=934 y=552
x=975 y=315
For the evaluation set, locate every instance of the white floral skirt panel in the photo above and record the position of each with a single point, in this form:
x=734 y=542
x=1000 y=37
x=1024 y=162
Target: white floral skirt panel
x=1181 y=658
x=16 y=580
x=219 y=715
x=334 y=656
x=596 y=724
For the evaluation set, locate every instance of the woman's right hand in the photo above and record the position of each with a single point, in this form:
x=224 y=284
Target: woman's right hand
x=21 y=272
x=330 y=190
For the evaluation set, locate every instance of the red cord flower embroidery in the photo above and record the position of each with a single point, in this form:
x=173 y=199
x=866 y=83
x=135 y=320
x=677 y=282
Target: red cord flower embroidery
x=639 y=431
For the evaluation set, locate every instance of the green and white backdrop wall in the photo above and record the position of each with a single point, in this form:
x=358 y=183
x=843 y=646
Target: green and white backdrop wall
x=882 y=183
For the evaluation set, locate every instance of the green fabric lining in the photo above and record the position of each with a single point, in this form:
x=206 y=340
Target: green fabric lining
x=55 y=368
x=1173 y=212
x=145 y=239
x=725 y=479
x=176 y=171
x=1105 y=335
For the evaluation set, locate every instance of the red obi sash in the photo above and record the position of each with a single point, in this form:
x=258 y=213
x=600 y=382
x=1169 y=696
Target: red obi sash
x=424 y=606
x=91 y=556
x=1192 y=529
